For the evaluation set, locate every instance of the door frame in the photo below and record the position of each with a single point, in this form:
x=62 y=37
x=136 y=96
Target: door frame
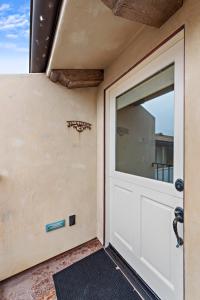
x=169 y=42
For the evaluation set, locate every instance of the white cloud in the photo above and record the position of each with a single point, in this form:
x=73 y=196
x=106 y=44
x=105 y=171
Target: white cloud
x=13 y=21
x=7 y=45
x=22 y=49
x=14 y=47
x=4 y=7
x=14 y=32
x=11 y=36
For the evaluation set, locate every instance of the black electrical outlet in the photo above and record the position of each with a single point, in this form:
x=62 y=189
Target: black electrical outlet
x=72 y=220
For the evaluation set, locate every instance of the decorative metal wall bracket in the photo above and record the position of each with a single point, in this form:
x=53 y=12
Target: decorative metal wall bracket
x=79 y=125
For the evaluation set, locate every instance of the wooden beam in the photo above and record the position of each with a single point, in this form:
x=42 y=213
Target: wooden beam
x=150 y=12
x=77 y=78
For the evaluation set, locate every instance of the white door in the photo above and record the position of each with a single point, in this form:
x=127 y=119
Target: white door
x=144 y=159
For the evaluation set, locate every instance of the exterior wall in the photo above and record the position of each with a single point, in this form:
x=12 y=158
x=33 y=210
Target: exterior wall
x=143 y=44
x=47 y=171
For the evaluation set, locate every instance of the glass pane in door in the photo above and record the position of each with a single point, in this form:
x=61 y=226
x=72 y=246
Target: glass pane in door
x=145 y=128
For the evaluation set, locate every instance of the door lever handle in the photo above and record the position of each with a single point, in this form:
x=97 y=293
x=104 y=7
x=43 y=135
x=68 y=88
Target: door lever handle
x=179 y=217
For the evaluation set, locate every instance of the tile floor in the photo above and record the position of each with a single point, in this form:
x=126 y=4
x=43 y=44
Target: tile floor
x=37 y=282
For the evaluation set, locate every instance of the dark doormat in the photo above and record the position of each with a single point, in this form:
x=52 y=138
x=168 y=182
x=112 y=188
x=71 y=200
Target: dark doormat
x=93 y=278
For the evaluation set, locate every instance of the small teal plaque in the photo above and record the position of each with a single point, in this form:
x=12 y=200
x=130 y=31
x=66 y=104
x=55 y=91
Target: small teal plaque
x=55 y=225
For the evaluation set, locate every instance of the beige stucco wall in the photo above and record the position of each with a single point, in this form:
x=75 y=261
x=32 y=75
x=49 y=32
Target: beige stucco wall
x=189 y=15
x=47 y=171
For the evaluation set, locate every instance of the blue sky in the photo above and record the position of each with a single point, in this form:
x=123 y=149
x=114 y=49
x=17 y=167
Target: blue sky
x=162 y=108
x=14 y=36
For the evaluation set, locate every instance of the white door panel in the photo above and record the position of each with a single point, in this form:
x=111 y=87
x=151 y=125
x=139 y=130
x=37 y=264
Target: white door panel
x=124 y=214
x=152 y=235
x=140 y=207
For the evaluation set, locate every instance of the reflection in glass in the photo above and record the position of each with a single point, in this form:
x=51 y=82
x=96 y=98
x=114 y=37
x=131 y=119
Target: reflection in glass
x=145 y=128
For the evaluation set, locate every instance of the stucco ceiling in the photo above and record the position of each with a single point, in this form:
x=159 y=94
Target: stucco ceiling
x=90 y=36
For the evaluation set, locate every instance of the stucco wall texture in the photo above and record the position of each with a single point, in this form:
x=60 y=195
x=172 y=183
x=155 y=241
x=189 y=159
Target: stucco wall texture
x=47 y=171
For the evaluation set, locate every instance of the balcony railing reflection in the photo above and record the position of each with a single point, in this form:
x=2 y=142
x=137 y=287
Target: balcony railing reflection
x=163 y=172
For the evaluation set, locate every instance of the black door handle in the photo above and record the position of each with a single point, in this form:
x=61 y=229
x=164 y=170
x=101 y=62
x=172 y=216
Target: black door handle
x=179 y=217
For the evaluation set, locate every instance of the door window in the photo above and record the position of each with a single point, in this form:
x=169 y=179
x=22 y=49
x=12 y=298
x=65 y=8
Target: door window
x=145 y=128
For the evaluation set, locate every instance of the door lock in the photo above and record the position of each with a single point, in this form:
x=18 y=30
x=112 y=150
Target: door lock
x=179 y=217
x=179 y=185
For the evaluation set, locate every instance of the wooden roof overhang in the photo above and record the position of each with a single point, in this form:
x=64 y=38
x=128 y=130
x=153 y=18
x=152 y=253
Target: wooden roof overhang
x=74 y=72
